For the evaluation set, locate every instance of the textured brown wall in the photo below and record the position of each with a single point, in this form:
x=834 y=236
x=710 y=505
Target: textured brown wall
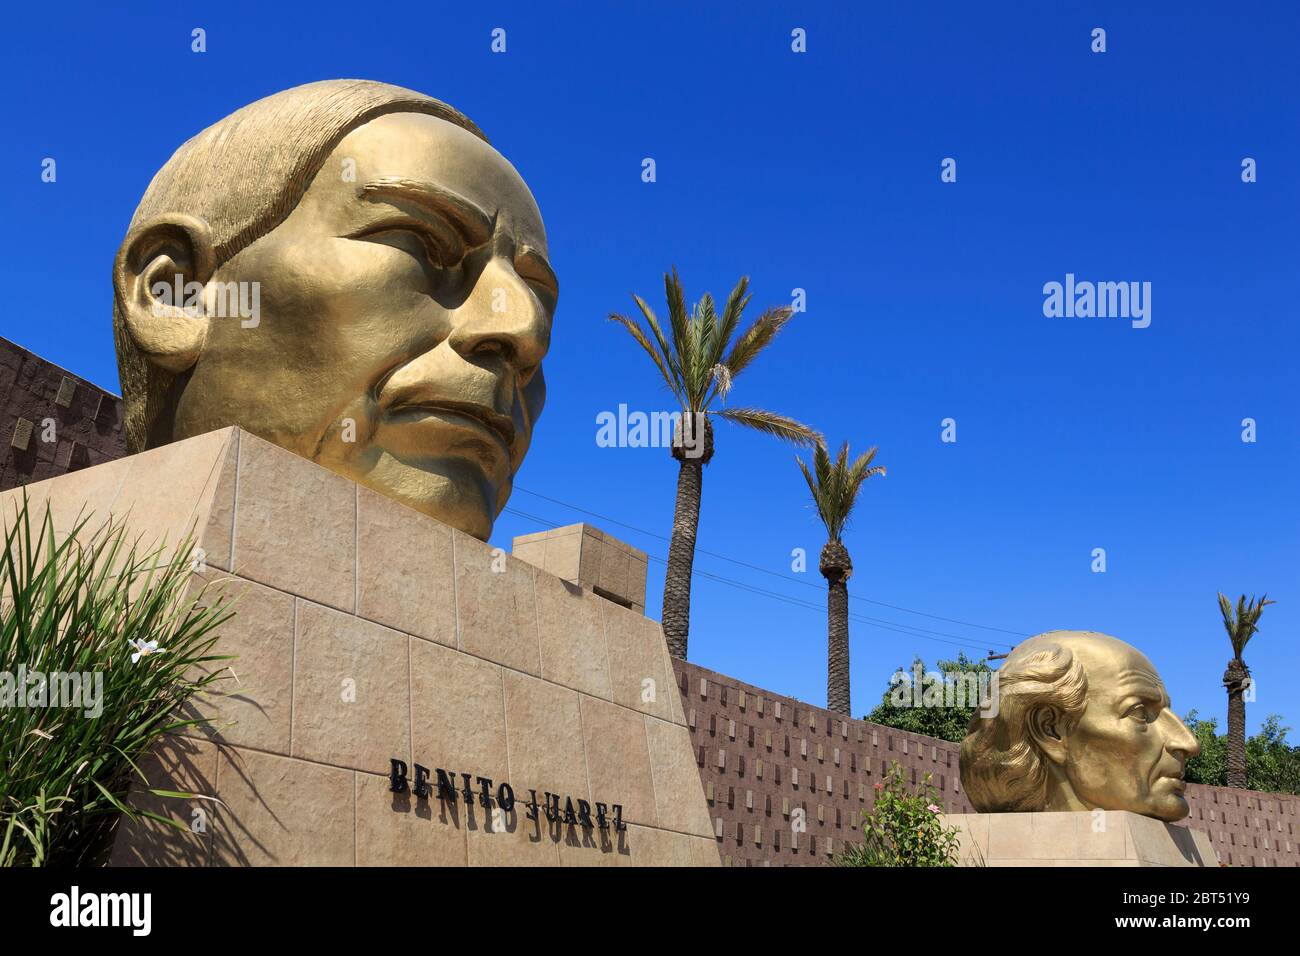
x=86 y=432
x=729 y=734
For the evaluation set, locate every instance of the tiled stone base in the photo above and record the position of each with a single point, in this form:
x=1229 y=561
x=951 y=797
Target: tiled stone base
x=365 y=631
x=1109 y=838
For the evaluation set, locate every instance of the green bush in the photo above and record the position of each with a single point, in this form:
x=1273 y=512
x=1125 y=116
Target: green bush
x=1272 y=764
x=903 y=828
x=130 y=622
x=946 y=723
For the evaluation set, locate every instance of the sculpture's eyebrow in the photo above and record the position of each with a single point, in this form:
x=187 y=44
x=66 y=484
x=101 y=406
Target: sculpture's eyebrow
x=469 y=218
x=1142 y=683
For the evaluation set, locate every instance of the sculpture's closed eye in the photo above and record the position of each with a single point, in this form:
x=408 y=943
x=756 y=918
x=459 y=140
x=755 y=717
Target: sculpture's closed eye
x=441 y=247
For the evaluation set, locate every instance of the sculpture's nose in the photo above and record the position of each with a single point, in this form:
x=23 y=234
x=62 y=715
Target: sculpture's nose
x=1178 y=739
x=505 y=318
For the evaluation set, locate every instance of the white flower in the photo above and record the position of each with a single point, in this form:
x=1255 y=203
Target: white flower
x=934 y=808
x=143 y=649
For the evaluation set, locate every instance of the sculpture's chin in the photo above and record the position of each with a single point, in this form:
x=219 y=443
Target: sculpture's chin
x=454 y=492
x=1169 y=807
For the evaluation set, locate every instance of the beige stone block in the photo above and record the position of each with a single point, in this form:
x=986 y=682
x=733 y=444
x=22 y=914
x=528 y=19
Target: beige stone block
x=572 y=636
x=637 y=654
x=517 y=842
x=496 y=610
x=544 y=738
x=532 y=552
x=563 y=552
x=591 y=556
x=216 y=536
x=250 y=704
x=974 y=835
x=1011 y=836
x=618 y=759
x=167 y=491
x=87 y=494
x=398 y=829
x=614 y=571
x=675 y=699
x=679 y=797
x=1157 y=843
x=458 y=711
x=636 y=576
x=180 y=764
x=295 y=525
x=282 y=812
x=1101 y=836
x=351 y=697
x=648 y=846
x=591 y=846
x=1057 y=834
x=704 y=852
x=1069 y=839
x=405 y=569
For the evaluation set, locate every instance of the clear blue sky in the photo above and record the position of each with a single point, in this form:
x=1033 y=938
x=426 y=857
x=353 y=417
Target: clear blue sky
x=821 y=171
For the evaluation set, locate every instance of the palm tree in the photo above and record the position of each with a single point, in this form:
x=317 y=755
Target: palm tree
x=699 y=362
x=835 y=490
x=1241 y=626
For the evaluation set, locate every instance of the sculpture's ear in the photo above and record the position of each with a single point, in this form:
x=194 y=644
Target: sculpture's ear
x=158 y=258
x=1046 y=728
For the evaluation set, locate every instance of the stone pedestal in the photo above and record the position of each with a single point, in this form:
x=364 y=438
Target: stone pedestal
x=366 y=633
x=1103 y=838
x=589 y=558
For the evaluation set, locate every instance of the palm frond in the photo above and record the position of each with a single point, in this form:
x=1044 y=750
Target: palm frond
x=666 y=349
x=1243 y=622
x=756 y=338
x=770 y=423
x=678 y=317
x=837 y=484
x=639 y=335
x=731 y=313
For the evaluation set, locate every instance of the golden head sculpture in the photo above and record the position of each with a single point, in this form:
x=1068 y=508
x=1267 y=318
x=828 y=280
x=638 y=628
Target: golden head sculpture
x=1082 y=722
x=350 y=270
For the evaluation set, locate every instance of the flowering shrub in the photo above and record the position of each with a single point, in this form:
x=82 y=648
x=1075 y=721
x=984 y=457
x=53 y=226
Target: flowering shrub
x=903 y=828
x=122 y=633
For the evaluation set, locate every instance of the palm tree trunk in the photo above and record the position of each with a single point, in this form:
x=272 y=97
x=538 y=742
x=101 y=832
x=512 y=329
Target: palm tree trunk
x=681 y=556
x=1234 y=680
x=837 y=644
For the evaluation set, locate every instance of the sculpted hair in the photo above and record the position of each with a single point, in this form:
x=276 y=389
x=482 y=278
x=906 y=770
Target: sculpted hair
x=1001 y=768
x=243 y=176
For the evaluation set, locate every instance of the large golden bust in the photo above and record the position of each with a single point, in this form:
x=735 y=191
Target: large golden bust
x=349 y=270
x=1082 y=721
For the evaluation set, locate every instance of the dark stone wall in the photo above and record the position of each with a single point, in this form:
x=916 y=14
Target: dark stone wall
x=51 y=421
x=761 y=755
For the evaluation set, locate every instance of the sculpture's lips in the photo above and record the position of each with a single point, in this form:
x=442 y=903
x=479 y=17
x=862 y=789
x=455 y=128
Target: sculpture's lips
x=497 y=424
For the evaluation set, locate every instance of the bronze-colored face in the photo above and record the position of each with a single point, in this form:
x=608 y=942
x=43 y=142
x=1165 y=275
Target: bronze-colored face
x=1129 y=749
x=405 y=308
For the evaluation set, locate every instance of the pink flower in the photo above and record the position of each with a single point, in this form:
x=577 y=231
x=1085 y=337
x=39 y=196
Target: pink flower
x=934 y=808
x=879 y=786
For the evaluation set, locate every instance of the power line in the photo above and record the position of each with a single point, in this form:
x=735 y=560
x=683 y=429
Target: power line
x=895 y=626
x=754 y=567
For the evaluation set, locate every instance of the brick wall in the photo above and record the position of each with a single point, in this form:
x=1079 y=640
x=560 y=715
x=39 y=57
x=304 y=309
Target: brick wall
x=35 y=394
x=762 y=755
